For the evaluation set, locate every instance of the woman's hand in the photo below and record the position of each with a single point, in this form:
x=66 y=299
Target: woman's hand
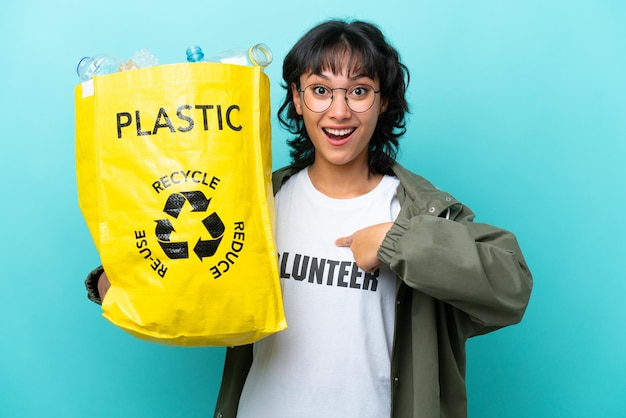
x=365 y=243
x=103 y=285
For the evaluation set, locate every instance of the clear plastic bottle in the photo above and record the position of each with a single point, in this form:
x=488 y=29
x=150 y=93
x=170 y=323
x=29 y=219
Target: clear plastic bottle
x=100 y=64
x=103 y=64
x=259 y=55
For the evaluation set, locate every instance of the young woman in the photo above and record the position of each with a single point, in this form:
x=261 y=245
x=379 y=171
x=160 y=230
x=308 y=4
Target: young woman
x=384 y=277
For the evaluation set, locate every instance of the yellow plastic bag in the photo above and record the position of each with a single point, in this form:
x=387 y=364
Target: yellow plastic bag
x=174 y=181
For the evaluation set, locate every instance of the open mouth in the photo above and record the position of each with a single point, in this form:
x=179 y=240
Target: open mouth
x=338 y=134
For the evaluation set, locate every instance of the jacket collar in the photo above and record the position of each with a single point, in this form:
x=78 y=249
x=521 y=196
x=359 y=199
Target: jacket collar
x=422 y=196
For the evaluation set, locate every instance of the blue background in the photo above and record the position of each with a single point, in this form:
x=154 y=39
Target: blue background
x=518 y=109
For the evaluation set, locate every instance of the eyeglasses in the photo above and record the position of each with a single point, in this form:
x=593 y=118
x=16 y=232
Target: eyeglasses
x=318 y=97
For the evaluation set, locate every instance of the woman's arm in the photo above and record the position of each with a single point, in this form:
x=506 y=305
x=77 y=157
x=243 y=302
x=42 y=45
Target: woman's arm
x=477 y=268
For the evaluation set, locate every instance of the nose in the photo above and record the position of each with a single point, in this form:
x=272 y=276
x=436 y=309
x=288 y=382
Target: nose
x=339 y=108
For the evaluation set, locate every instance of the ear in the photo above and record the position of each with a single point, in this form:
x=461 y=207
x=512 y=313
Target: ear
x=383 y=105
x=297 y=101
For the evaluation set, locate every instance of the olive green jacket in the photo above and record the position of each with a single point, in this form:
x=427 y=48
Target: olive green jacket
x=455 y=279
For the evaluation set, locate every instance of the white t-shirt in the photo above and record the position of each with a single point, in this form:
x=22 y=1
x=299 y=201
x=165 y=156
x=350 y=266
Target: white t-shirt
x=334 y=359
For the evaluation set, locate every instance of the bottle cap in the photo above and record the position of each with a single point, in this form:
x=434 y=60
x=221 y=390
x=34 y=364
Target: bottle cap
x=261 y=55
x=194 y=54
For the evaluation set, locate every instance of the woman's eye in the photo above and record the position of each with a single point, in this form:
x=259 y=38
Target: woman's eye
x=359 y=91
x=320 y=90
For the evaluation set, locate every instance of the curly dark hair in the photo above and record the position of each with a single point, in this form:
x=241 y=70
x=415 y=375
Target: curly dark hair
x=324 y=48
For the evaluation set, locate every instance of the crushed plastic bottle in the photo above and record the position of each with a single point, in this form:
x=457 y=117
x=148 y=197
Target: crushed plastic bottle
x=103 y=64
x=259 y=55
x=144 y=59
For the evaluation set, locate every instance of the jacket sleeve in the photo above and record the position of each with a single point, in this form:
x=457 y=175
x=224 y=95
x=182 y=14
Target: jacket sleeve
x=91 y=285
x=477 y=268
x=236 y=368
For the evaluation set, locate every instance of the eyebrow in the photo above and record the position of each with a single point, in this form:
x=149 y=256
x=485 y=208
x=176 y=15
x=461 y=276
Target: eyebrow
x=353 y=78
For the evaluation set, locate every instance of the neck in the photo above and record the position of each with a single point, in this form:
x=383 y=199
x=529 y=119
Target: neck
x=343 y=182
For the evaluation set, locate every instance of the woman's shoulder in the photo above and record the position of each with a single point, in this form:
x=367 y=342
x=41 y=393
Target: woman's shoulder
x=410 y=179
x=423 y=194
x=280 y=176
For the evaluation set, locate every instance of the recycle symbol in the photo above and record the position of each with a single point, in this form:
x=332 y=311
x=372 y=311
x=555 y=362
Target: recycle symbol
x=212 y=223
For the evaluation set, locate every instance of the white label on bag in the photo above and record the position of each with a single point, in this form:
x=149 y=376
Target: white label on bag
x=87 y=88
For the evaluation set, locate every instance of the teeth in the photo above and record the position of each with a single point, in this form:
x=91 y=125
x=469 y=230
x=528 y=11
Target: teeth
x=339 y=132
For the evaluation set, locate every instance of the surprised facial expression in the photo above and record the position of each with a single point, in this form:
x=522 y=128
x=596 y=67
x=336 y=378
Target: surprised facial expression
x=339 y=134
